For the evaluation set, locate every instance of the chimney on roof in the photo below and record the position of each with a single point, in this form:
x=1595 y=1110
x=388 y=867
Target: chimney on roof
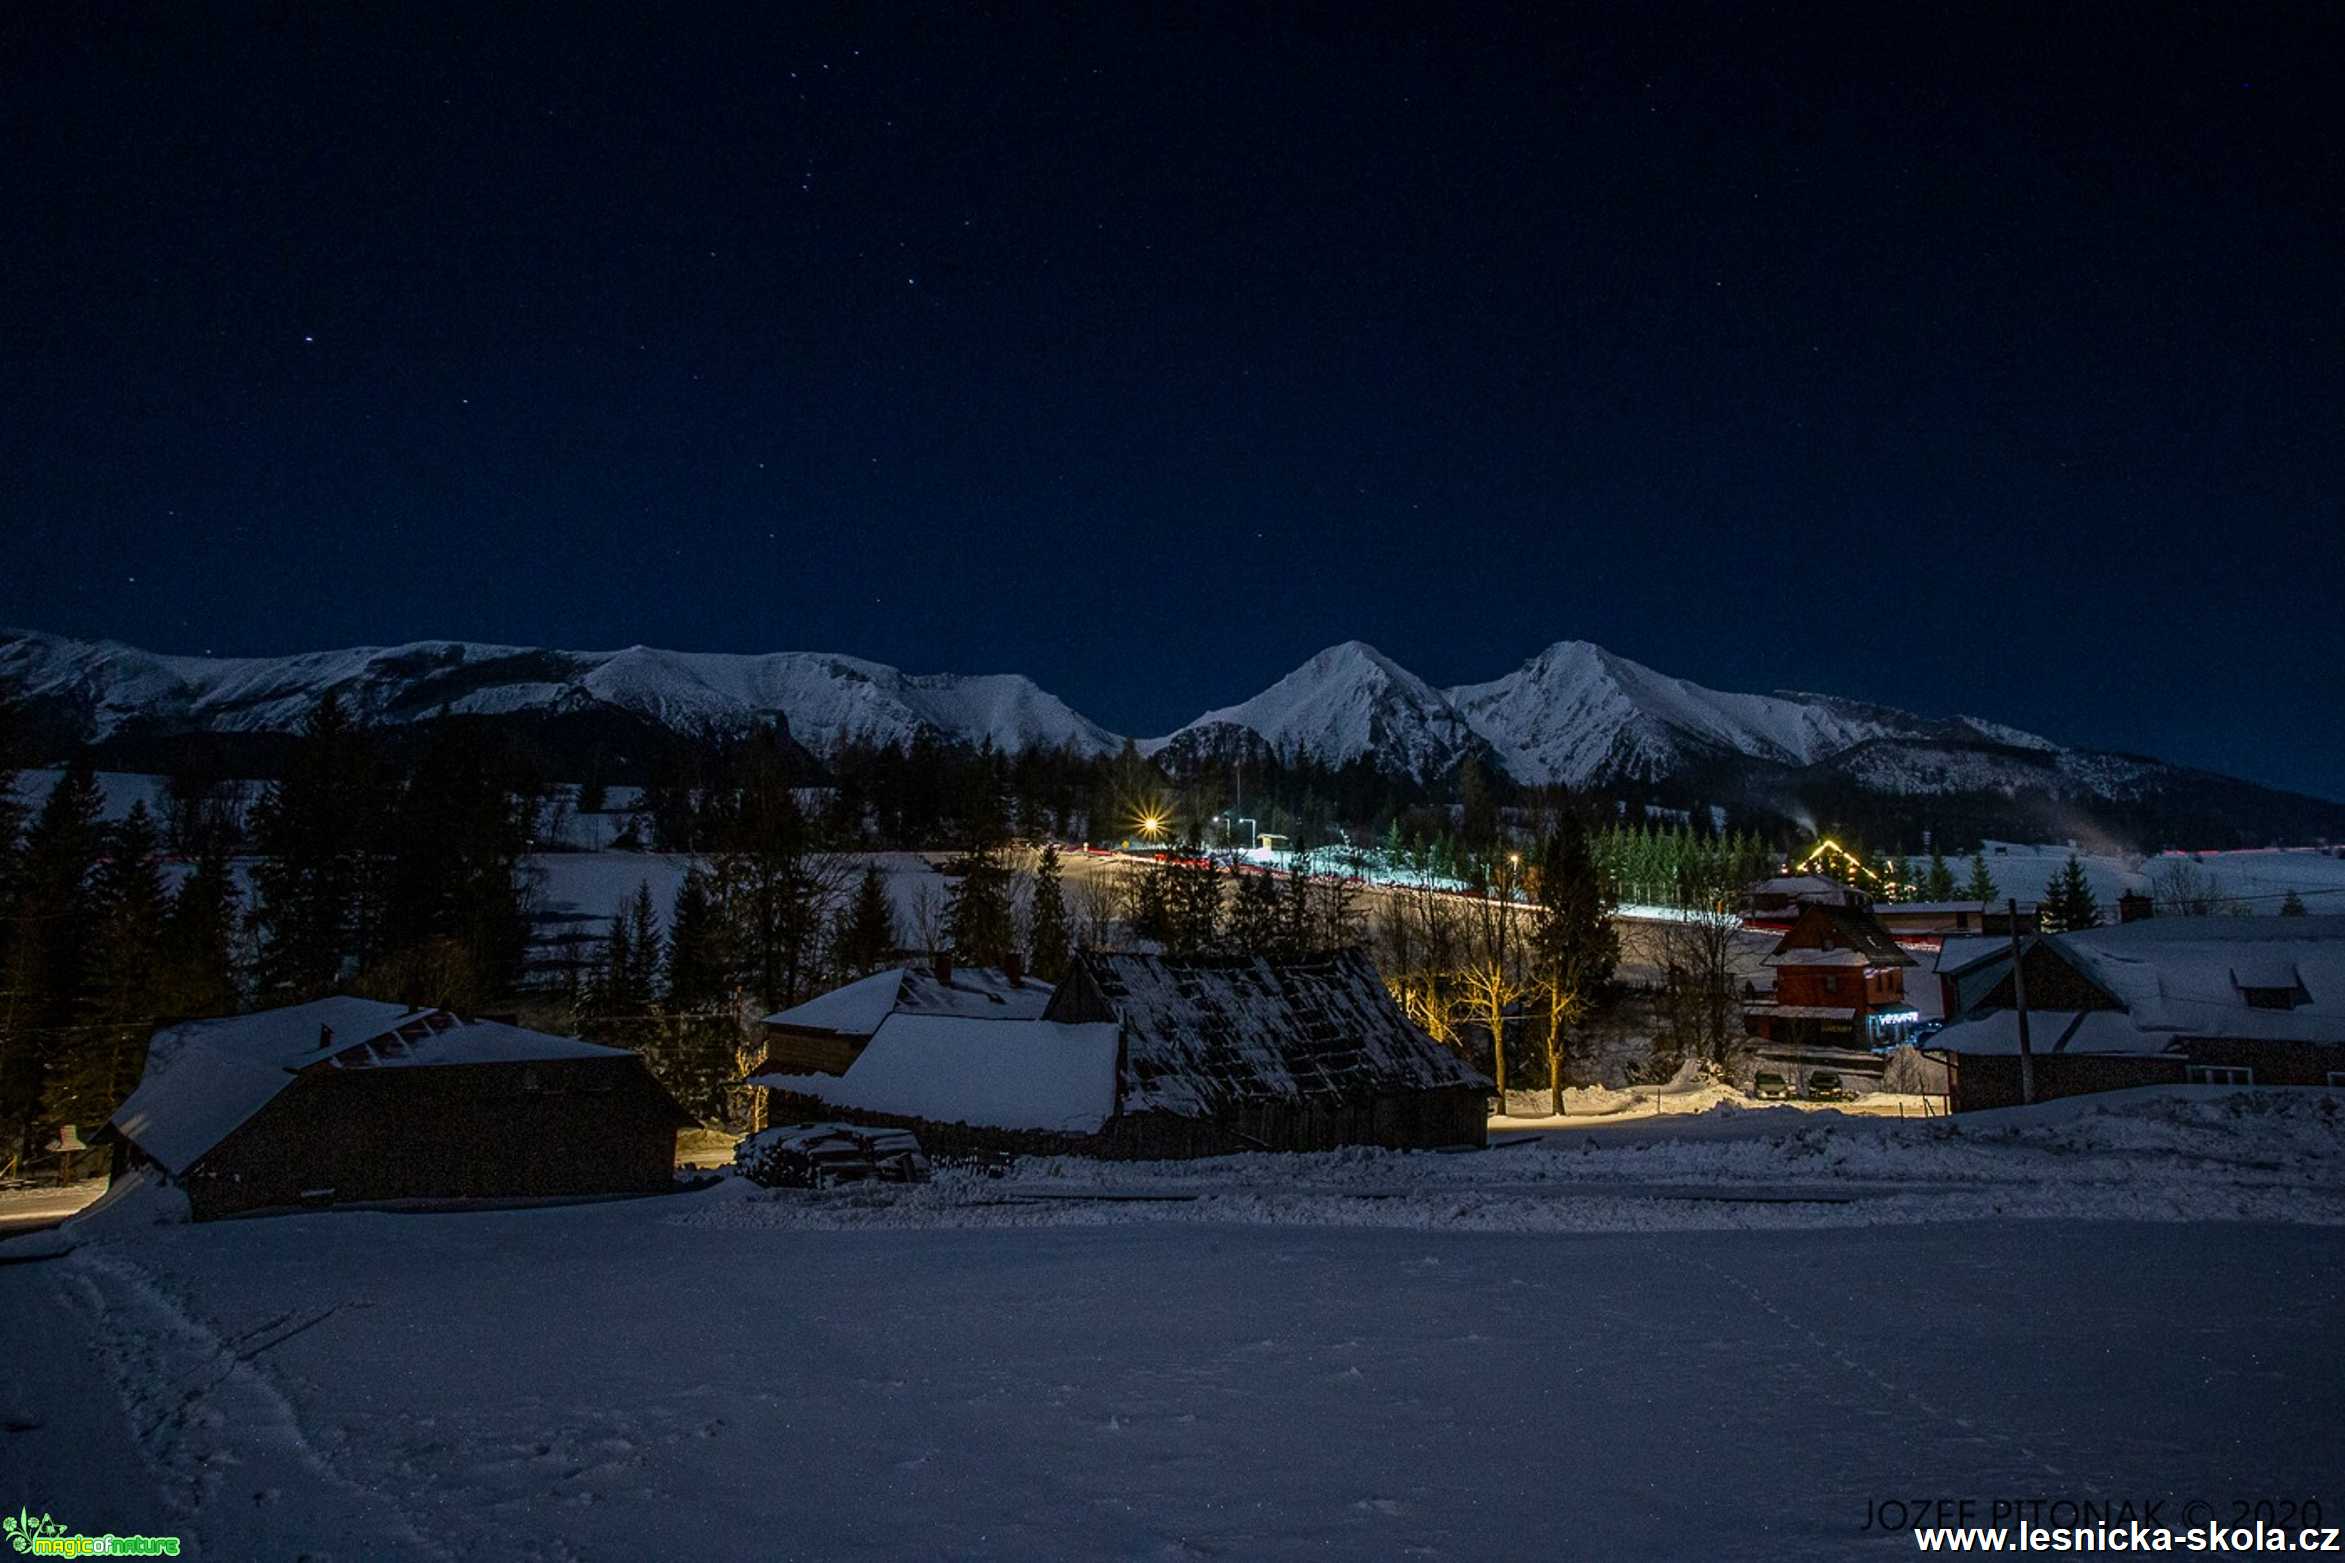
x=325 y=1038
x=944 y=967
x=1015 y=965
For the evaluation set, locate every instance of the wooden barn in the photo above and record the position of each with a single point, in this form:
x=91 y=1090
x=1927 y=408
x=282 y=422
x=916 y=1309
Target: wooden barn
x=352 y=1100
x=1139 y=1055
x=2226 y=1001
x=1232 y=1053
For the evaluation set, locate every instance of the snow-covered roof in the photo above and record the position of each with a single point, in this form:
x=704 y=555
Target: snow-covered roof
x=974 y=992
x=1961 y=951
x=1030 y=1074
x=1206 y=1034
x=204 y=1078
x=1842 y=957
x=854 y=1010
x=1799 y=885
x=2050 y=1031
x=1928 y=908
x=2192 y=976
x=1849 y=928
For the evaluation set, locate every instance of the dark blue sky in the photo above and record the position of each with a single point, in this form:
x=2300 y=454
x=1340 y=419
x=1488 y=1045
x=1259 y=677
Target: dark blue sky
x=1992 y=364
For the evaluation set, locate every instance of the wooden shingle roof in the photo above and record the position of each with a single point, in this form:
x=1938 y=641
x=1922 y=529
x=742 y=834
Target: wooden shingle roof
x=1204 y=1034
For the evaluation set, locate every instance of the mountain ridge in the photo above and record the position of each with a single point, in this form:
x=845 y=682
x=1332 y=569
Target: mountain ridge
x=1573 y=714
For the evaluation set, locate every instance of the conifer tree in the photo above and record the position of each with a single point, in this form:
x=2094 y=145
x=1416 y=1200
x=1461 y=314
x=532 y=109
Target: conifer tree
x=95 y=1062
x=865 y=939
x=1193 y=903
x=2068 y=901
x=1255 y=917
x=315 y=888
x=1938 y=883
x=645 y=951
x=979 y=923
x=50 y=997
x=696 y=955
x=2292 y=905
x=199 y=937
x=1981 y=885
x=1051 y=944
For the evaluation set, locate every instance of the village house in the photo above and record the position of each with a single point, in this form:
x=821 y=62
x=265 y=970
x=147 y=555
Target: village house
x=825 y=1034
x=829 y=1032
x=348 y=1100
x=1143 y=1055
x=2160 y=1001
x=1839 y=982
x=1928 y=921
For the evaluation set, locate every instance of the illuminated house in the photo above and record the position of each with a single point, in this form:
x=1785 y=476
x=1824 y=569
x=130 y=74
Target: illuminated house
x=1839 y=982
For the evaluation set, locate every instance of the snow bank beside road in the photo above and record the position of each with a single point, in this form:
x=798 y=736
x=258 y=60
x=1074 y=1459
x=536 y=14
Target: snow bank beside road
x=2170 y=1154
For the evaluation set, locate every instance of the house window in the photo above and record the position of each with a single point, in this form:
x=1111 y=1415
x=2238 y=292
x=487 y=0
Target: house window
x=1831 y=982
x=2269 y=998
x=2219 y=1074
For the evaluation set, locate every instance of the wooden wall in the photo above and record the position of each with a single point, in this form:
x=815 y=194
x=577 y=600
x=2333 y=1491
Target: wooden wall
x=467 y=1131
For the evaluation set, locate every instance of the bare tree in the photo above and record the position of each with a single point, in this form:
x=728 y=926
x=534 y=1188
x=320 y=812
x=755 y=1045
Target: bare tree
x=1491 y=973
x=2182 y=888
x=1703 y=990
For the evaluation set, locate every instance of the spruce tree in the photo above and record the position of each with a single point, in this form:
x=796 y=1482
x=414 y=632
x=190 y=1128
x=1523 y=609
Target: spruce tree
x=1051 y=944
x=1255 y=917
x=1938 y=882
x=18 y=1055
x=865 y=938
x=1981 y=886
x=2292 y=905
x=2068 y=901
x=645 y=950
x=94 y=1065
x=51 y=981
x=696 y=954
x=316 y=830
x=1193 y=903
x=979 y=924
x=199 y=937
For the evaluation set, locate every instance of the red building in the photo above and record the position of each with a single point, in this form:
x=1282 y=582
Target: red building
x=1839 y=982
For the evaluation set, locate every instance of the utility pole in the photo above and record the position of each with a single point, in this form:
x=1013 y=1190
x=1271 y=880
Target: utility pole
x=2027 y=1056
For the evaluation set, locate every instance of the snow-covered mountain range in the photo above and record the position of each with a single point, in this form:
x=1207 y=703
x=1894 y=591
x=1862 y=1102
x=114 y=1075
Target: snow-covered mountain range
x=1575 y=714
x=102 y=686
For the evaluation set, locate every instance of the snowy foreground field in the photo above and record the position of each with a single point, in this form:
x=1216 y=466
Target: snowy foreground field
x=1714 y=1336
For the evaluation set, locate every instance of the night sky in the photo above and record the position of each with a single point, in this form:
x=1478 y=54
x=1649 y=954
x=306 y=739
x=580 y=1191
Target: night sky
x=1995 y=364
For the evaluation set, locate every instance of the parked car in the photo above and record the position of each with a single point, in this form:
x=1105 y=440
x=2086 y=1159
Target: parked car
x=1825 y=1086
x=1771 y=1087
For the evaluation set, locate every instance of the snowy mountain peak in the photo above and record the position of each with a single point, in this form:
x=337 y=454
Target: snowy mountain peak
x=1348 y=701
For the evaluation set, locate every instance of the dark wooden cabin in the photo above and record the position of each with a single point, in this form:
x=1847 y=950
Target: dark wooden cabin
x=350 y=1100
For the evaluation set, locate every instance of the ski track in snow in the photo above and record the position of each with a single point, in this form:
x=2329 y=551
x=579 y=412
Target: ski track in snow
x=223 y=1439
